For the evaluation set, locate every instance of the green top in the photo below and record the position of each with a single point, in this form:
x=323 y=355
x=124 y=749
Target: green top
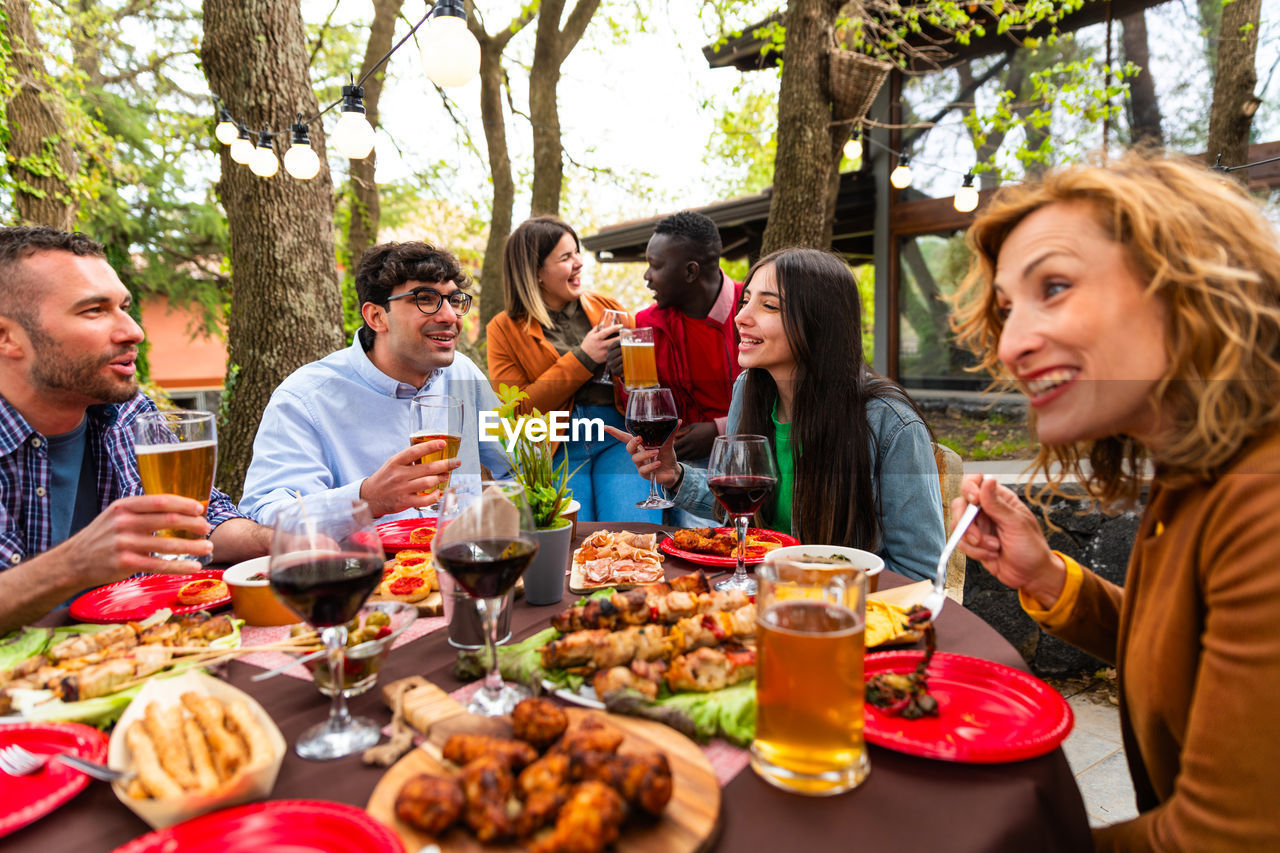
x=786 y=473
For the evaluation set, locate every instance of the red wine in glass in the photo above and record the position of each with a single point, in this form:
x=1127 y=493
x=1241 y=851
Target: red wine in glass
x=326 y=589
x=486 y=568
x=743 y=495
x=654 y=432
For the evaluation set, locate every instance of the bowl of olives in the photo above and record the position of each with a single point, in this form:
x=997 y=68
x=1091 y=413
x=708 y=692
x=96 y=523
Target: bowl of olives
x=370 y=637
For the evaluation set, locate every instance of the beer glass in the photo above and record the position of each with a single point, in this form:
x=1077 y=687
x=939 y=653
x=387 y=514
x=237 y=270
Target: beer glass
x=437 y=417
x=177 y=452
x=810 y=633
x=639 y=367
x=610 y=318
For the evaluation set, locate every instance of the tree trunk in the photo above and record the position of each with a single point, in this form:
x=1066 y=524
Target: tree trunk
x=492 y=298
x=40 y=158
x=552 y=45
x=1234 y=102
x=802 y=165
x=362 y=232
x=1144 y=107
x=286 y=309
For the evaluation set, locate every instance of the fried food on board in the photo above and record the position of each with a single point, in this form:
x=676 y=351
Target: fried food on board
x=409 y=577
x=539 y=722
x=621 y=557
x=574 y=799
x=176 y=754
x=202 y=591
x=713 y=543
x=462 y=749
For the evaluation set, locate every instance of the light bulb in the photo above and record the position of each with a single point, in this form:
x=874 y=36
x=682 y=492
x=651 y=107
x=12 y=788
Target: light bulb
x=966 y=197
x=353 y=136
x=450 y=53
x=301 y=162
x=242 y=148
x=226 y=132
x=853 y=148
x=901 y=176
x=264 y=163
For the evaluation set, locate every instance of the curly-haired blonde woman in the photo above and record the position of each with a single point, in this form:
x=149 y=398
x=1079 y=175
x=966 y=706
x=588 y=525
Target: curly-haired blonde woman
x=1138 y=307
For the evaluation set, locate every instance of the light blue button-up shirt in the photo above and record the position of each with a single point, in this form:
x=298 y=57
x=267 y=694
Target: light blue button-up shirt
x=334 y=422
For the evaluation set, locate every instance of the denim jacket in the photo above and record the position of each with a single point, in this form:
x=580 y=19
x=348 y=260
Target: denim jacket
x=906 y=489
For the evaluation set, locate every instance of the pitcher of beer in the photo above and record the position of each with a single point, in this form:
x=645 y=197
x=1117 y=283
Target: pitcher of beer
x=810 y=632
x=639 y=367
x=177 y=452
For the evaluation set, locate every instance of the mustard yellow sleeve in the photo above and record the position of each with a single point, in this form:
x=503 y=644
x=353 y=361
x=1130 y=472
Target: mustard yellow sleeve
x=1056 y=617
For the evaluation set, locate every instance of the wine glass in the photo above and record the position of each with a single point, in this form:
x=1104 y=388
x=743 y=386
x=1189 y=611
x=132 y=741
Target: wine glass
x=485 y=540
x=326 y=559
x=610 y=318
x=741 y=475
x=651 y=414
x=177 y=452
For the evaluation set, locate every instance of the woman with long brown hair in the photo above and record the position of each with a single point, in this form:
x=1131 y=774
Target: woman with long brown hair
x=1138 y=307
x=855 y=459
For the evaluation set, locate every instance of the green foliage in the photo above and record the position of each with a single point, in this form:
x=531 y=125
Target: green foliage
x=745 y=139
x=546 y=484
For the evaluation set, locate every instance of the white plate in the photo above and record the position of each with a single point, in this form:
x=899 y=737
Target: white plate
x=585 y=696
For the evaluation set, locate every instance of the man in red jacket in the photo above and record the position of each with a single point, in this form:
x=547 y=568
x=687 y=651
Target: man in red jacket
x=695 y=341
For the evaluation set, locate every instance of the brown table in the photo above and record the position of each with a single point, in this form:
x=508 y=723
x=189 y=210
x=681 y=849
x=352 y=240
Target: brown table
x=906 y=801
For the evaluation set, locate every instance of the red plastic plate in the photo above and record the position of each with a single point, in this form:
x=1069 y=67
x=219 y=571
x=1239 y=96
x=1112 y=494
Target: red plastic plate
x=395 y=534
x=137 y=598
x=987 y=712
x=783 y=540
x=276 y=826
x=27 y=798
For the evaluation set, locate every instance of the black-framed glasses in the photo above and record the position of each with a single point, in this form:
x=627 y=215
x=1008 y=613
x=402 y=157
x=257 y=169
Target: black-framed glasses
x=429 y=301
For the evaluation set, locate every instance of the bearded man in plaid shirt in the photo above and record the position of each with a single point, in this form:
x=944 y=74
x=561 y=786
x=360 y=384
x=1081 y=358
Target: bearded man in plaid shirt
x=72 y=511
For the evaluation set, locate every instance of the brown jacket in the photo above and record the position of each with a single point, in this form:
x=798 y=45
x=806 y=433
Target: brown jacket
x=1196 y=637
x=519 y=354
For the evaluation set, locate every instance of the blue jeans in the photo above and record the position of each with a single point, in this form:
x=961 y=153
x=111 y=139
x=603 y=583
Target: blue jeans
x=607 y=485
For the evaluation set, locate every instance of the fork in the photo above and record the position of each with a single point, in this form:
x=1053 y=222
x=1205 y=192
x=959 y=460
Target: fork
x=18 y=761
x=938 y=595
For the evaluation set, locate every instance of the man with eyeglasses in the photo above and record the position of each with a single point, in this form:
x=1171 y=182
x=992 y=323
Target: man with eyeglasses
x=341 y=425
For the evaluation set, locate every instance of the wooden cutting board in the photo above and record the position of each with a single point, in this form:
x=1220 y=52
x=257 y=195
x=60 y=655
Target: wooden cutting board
x=688 y=824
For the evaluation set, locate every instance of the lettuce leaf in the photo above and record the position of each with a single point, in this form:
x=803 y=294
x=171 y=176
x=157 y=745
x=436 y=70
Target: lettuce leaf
x=729 y=712
x=22 y=644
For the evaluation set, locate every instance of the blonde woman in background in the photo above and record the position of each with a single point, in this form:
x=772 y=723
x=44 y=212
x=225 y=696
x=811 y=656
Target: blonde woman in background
x=550 y=342
x=1138 y=307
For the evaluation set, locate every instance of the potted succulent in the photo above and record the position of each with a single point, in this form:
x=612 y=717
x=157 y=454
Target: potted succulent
x=546 y=486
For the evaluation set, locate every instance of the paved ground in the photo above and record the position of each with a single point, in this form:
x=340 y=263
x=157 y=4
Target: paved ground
x=1096 y=756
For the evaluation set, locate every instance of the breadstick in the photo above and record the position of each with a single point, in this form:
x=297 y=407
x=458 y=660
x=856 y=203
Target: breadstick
x=201 y=763
x=227 y=751
x=153 y=777
x=165 y=728
x=260 y=750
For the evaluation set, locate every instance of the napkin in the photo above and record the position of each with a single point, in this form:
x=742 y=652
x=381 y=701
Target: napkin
x=493 y=516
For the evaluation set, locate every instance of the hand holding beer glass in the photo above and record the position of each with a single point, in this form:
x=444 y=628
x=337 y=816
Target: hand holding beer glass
x=437 y=417
x=810 y=635
x=610 y=318
x=639 y=367
x=177 y=452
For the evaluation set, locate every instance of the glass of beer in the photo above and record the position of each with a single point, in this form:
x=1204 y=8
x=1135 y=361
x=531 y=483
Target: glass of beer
x=809 y=685
x=639 y=368
x=437 y=417
x=177 y=453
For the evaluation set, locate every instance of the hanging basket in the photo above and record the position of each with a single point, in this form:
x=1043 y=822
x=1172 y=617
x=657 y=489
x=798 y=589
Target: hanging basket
x=855 y=81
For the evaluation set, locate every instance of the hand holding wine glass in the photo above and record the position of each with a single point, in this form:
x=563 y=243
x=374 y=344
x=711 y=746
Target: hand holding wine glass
x=326 y=560
x=610 y=318
x=651 y=415
x=485 y=541
x=741 y=474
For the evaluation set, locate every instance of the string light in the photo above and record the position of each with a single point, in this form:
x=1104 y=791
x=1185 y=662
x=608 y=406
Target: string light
x=450 y=53
x=900 y=177
x=450 y=56
x=353 y=135
x=263 y=163
x=226 y=131
x=853 y=148
x=242 y=147
x=300 y=161
x=966 y=198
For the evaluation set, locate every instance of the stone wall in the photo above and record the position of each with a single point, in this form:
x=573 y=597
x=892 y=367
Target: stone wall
x=1097 y=540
